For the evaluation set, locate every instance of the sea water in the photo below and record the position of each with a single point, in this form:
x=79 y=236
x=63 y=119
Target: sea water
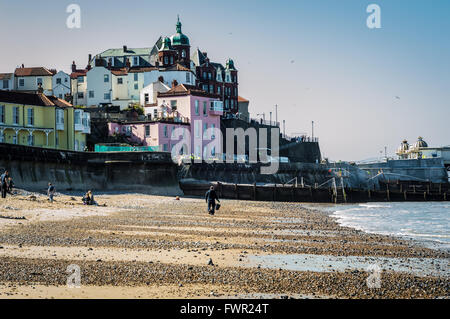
x=427 y=222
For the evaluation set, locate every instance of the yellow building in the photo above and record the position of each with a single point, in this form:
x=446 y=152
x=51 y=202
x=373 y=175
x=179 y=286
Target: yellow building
x=35 y=119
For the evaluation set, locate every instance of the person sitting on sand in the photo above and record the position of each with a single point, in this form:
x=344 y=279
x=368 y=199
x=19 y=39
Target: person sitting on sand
x=88 y=198
x=51 y=192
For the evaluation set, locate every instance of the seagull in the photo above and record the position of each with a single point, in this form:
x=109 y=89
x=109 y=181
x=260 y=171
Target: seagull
x=397 y=97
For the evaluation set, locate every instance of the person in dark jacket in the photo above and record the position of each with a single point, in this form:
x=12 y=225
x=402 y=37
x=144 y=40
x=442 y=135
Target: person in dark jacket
x=4 y=183
x=211 y=197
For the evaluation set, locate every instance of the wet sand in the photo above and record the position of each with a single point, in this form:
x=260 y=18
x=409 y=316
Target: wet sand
x=144 y=246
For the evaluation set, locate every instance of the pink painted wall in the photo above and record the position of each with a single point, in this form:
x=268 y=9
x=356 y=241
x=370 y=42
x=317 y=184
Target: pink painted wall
x=186 y=106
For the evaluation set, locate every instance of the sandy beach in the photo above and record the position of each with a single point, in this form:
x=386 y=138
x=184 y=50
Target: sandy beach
x=146 y=246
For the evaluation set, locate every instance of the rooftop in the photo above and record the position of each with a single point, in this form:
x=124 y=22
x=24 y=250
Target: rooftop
x=37 y=99
x=35 y=71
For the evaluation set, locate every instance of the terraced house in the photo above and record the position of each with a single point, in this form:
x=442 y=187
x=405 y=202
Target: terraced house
x=35 y=119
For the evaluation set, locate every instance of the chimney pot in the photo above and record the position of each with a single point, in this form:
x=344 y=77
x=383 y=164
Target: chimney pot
x=74 y=66
x=125 y=49
x=174 y=83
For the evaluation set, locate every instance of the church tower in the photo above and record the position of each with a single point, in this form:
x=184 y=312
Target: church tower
x=180 y=43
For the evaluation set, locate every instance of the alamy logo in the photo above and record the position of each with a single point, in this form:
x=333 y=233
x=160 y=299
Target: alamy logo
x=374 y=280
x=74 y=278
x=374 y=19
x=74 y=19
x=241 y=146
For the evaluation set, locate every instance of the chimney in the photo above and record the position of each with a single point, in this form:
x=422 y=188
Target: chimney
x=174 y=83
x=89 y=58
x=157 y=64
x=125 y=49
x=161 y=79
x=205 y=54
x=74 y=66
x=23 y=65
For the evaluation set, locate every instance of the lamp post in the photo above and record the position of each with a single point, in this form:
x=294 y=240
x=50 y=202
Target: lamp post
x=284 y=128
x=312 y=130
x=270 y=118
x=276 y=114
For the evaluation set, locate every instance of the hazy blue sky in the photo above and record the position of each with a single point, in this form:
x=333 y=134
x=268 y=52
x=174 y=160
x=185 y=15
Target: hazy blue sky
x=316 y=59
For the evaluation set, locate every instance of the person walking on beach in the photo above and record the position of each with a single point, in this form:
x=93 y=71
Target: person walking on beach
x=4 y=183
x=211 y=197
x=51 y=192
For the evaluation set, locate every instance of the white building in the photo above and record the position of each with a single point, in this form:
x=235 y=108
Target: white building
x=7 y=81
x=29 y=79
x=99 y=86
x=61 y=84
x=149 y=94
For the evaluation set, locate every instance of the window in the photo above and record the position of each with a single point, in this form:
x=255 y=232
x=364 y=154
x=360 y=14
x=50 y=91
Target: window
x=2 y=114
x=188 y=78
x=146 y=98
x=213 y=151
x=213 y=126
x=173 y=132
x=80 y=79
x=5 y=84
x=171 y=60
x=183 y=53
x=39 y=81
x=165 y=131
x=165 y=148
x=76 y=145
x=30 y=140
x=166 y=60
x=211 y=88
x=205 y=127
x=60 y=96
x=173 y=105
x=218 y=90
x=56 y=139
x=106 y=78
x=77 y=117
x=136 y=86
x=147 y=130
x=80 y=95
x=205 y=87
x=58 y=81
x=30 y=116
x=204 y=109
x=204 y=75
x=21 y=82
x=119 y=80
x=2 y=137
x=65 y=80
x=197 y=112
x=135 y=76
x=107 y=96
x=15 y=115
x=59 y=117
x=91 y=94
x=209 y=76
x=197 y=130
x=135 y=60
x=155 y=113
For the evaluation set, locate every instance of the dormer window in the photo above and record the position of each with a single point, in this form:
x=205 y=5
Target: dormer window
x=183 y=53
x=166 y=60
x=135 y=60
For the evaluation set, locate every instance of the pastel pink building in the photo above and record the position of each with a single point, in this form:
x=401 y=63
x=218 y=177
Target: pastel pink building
x=183 y=116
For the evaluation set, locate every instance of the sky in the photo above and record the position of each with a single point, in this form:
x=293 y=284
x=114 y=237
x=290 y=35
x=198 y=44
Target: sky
x=365 y=89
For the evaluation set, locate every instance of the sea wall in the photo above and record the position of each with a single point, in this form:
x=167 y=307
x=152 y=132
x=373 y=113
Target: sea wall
x=427 y=169
x=32 y=168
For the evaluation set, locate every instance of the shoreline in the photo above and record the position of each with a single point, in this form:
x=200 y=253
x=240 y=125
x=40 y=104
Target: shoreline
x=151 y=241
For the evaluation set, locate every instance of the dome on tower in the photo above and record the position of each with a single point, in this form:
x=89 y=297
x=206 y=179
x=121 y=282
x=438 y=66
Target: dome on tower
x=404 y=147
x=166 y=45
x=420 y=143
x=230 y=65
x=179 y=38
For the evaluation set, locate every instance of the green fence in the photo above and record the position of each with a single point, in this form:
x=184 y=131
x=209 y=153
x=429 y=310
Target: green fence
x=128 y=148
